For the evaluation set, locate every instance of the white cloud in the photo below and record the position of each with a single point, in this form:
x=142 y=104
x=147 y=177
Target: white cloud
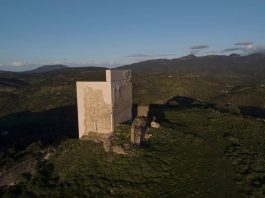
x=17 y=64
x=246 y=48
x=257 y=49
x=250 y=46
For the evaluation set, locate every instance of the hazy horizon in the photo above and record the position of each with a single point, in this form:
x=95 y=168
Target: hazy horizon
x=100 y=33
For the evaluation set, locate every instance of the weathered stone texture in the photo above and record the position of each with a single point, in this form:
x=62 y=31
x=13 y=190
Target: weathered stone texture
x=97 y=112
x=104 y=105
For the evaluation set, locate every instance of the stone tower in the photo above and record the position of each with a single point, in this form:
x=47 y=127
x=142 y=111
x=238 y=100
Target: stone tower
x=104 y=105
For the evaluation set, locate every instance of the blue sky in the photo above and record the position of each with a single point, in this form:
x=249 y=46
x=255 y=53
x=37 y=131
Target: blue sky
x=117 y=32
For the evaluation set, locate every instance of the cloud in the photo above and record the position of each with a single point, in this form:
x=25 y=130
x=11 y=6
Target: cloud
x=244 y=43
x=17 y=64
x=199 y=47
x=233 y=49
x=246 y=48
x=255 y=49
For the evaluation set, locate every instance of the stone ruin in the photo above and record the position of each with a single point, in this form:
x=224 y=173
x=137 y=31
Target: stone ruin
x=140 y=125
x=104 y=105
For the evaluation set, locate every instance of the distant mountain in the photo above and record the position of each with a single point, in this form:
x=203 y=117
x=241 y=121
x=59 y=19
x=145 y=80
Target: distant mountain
x=252 y=64
x=2 y=71
x=47 y=68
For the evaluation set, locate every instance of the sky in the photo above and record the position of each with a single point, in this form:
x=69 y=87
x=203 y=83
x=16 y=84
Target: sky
x=116 y=32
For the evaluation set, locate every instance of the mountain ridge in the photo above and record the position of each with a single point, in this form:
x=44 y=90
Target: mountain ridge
x=250 y=64
x=46 y=68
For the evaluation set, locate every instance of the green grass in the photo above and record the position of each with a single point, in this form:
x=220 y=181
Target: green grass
x=191 y=155
x=195 y=153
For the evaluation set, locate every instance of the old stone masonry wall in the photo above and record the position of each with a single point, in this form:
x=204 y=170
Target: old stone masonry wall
x=97 y=111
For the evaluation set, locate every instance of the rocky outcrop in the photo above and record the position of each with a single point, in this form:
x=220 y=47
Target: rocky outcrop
x=12 y=175
x=118 y=150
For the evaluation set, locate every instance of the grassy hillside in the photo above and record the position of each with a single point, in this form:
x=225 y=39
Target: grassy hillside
x=200 y=150
x=45 y=90
x=196 y=153
x=159 y=87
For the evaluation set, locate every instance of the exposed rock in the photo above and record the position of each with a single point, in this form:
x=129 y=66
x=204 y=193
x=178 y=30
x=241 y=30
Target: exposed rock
x=118 y=150
x=47 y=156
x=13 y=175
x=106 y=145
x=155 y=124
x=147 y=136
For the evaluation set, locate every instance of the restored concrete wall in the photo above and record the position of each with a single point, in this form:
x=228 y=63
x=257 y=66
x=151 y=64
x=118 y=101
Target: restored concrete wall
x=117 y=75
x=122 y=94
x=103 y=105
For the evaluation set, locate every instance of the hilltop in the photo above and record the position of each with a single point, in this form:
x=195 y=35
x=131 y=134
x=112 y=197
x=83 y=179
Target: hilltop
x=47 y=68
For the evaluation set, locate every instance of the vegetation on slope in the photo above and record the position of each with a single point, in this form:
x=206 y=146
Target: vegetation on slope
x=200 y=150
x=196 y=153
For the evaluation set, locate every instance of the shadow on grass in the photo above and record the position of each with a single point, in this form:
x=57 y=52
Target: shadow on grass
x=180 y=102
x=174 y=104
x=253 y=111
x=49 y=127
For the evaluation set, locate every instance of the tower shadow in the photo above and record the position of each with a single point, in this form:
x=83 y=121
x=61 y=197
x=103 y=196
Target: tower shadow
x=49 y=127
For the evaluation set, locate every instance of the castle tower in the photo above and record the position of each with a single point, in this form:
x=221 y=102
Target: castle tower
x=104 y=105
